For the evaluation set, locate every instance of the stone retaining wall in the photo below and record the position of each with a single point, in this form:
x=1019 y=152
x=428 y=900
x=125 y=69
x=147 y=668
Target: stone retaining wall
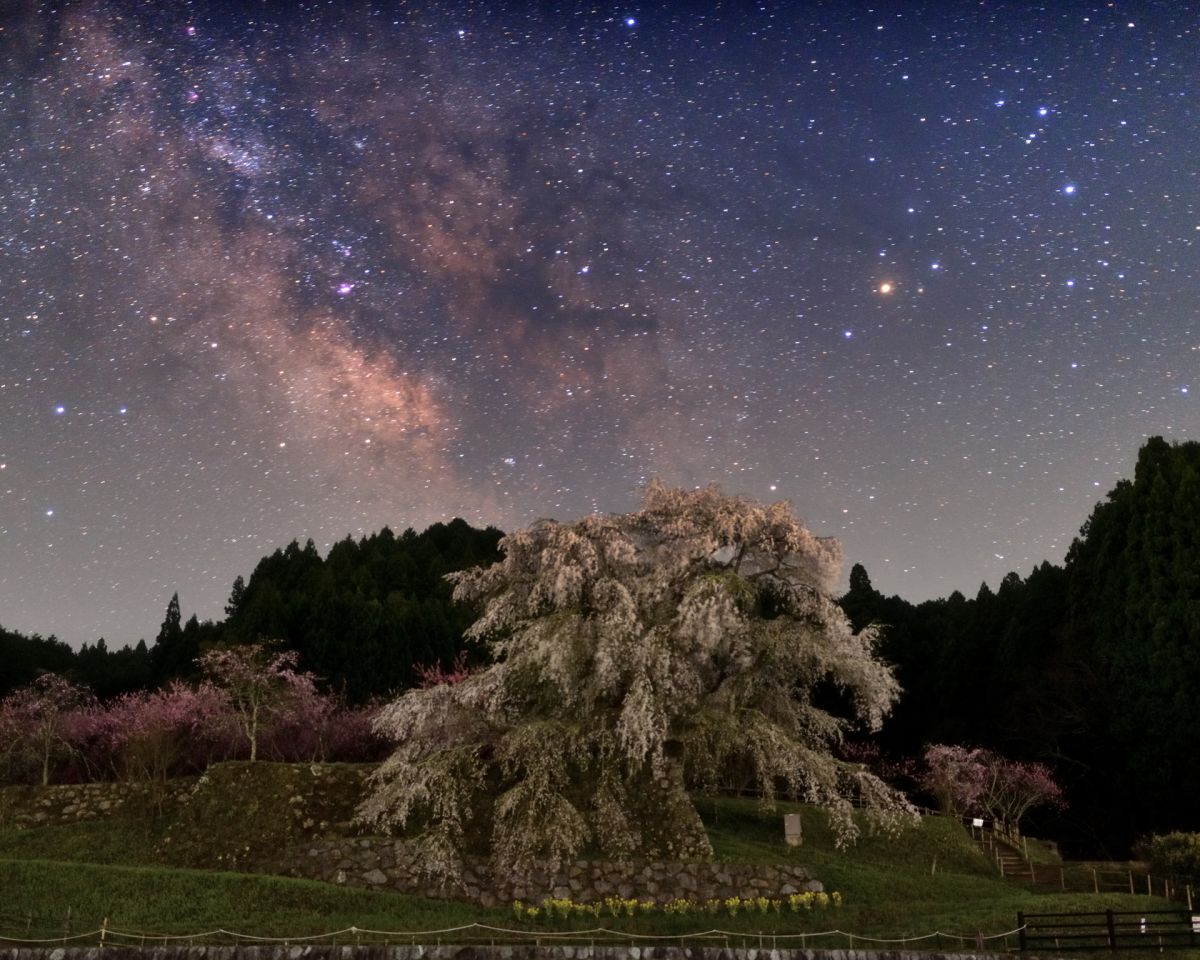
x=37 y=806
x=382 y=863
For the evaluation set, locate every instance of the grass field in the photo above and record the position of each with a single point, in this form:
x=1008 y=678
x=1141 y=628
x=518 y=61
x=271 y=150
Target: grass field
x=72 y=879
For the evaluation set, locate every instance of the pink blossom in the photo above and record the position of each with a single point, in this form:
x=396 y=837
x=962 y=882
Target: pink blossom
x=34 y=726
x=433 y=676
x=261 y=682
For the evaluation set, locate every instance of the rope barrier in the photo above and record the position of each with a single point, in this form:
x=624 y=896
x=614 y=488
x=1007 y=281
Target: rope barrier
x=539 y=935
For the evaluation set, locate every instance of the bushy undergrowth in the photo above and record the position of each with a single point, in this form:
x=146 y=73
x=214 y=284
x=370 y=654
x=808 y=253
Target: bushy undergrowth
x=1174 y=855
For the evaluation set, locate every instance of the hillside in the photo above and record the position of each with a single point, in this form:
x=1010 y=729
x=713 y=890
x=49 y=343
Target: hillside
x=138 y=871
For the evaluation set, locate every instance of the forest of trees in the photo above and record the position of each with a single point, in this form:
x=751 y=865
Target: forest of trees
x=1091 y=666
x=361 y=618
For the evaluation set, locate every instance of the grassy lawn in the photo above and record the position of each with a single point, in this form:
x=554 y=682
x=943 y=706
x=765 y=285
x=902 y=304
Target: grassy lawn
x=50 y=895
x=930 y=878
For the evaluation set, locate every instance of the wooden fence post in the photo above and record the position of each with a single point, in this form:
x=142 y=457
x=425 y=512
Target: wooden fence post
x=1095 y=880
x=1021 y=930
x=1131 y=881
x=1112 y=930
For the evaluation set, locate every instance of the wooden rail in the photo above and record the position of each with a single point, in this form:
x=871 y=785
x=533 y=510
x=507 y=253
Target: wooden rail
x=1111 y=930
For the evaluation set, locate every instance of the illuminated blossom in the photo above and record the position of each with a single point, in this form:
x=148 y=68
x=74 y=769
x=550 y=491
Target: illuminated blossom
x=691 y=644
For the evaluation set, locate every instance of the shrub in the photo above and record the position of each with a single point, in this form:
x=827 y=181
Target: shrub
x=1174 y=855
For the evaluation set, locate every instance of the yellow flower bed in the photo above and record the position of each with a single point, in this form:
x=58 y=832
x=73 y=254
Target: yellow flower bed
x=553 y=908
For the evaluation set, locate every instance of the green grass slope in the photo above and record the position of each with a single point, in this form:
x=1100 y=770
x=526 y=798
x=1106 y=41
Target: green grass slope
x=930 y=878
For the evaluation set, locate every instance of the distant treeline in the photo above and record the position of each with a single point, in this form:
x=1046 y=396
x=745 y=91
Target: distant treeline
x=1092 y=667
x=361 y=618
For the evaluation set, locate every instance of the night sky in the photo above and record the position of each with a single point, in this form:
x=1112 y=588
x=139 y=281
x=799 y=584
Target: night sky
x=277 y=270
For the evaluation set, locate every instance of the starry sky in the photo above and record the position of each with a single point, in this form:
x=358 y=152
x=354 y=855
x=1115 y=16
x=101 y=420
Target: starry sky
x=286 y=270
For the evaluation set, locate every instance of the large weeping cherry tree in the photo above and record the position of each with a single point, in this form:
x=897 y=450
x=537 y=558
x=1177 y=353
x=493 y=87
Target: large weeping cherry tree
x=685 y=647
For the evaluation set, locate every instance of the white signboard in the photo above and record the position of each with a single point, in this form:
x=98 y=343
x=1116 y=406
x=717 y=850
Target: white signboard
x=791 y=829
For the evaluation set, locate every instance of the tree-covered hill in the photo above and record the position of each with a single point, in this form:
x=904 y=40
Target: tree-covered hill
x=360 y=617
x=1093 y=667
x=371 y=609
x=22 y=658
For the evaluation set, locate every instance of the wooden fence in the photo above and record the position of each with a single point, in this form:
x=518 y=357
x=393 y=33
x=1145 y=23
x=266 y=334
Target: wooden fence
x=1011 y=853
x=1111 y=930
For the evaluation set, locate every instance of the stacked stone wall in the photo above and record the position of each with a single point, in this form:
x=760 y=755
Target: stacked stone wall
x=387 y=864
x=294 y=811
x=36 y=806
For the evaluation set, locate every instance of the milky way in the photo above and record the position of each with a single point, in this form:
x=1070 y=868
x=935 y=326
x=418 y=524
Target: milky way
x=276 y=271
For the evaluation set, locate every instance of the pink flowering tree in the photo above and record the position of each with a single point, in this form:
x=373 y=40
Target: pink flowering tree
x=351 y=737
x=955 y=776
x=1014 y=787
x=161 y=733
x=316 y=727
x=262 y=683
x=34 y=724
x=299 y=727
x=974 y=781
x=89 y=730
x=435 y=675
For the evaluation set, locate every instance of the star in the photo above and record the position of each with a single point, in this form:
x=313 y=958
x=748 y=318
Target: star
x=630 y=245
